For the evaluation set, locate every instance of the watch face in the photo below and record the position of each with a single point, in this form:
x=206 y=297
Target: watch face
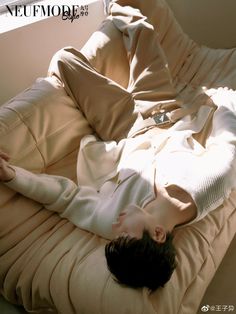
x=161 y=118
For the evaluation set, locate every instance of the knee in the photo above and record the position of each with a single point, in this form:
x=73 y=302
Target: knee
x=62 y=55
x=66 y=57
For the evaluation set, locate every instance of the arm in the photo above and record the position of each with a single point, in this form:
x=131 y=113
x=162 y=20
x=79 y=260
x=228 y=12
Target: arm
x=59 y=194
x=224 y=119
x=218 y=163
x=54 y=192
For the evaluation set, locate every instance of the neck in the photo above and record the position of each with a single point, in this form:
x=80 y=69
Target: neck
x=172 y=206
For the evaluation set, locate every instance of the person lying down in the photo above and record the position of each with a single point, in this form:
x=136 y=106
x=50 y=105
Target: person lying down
x=146 y=195
x=134 y=188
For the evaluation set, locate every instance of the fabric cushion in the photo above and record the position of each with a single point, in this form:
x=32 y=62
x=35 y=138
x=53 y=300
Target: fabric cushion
x=30 y=122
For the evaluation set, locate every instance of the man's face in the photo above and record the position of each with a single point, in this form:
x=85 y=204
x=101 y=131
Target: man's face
x=132 y=222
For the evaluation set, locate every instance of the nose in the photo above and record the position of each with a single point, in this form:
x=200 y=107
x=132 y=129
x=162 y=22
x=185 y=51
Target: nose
x=119 y=221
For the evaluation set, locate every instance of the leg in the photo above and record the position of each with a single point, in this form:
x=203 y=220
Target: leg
x=107 y=106
x=150 y=80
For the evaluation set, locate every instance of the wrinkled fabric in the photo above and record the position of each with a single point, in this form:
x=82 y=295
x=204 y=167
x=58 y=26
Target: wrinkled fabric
x=149 y=89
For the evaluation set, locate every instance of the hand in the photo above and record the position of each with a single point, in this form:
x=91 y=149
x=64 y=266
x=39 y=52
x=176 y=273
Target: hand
x=6 y=172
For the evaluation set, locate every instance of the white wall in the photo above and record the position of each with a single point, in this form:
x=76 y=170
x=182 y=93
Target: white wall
x=26 y=52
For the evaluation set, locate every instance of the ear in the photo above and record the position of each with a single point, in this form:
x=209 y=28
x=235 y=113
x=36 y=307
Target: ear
x=159 y=234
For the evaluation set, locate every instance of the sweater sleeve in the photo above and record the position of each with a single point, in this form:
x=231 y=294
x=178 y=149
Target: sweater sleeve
x=224 y=119
x=79 y=204
x=207 y=173
x=215 y=173
x=54 y=192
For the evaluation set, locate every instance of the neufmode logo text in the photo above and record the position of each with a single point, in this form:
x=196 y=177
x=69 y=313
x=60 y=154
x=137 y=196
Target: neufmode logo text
x=66 y=12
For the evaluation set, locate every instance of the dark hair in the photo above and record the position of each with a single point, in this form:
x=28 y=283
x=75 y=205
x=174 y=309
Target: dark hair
x=141 y=262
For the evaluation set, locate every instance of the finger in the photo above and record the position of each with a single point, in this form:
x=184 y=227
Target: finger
x=4 y=156
x=2 y=162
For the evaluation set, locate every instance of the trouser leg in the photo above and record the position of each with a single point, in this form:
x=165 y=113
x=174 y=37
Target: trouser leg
x=150 y=80
x=107 y=106
x=110 y=109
